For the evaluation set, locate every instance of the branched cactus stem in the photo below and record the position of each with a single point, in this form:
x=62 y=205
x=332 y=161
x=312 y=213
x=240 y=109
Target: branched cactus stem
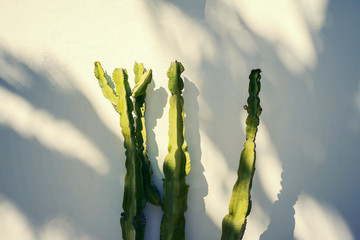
x=233 y=224
x=137 y=187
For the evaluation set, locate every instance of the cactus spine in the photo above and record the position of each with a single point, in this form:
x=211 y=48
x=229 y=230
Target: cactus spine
x=233 y=224
x=137 y=186
x=176 y=164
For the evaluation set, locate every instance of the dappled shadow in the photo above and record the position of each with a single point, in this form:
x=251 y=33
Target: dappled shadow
x=46 y=169
x=58 y=158
x=288 y=42
x=308 y=53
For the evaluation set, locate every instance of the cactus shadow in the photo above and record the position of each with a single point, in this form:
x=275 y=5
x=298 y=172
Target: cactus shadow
x=198 y=223
x=282 y=217
x=156 y=102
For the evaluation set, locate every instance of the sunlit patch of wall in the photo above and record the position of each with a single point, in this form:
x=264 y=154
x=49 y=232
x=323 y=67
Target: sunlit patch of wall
x=317 y=220
x=257 y=222
x=15 y=225
x=86 y=33
x=269 y=165
x=52 y=133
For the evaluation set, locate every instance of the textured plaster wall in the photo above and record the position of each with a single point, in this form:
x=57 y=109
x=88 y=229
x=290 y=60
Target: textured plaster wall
x=61 y=153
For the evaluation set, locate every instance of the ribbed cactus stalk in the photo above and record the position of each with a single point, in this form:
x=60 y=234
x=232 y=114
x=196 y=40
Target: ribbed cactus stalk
x=138 y=168
x=176 y=164
x=139 y=93
x=233 y=224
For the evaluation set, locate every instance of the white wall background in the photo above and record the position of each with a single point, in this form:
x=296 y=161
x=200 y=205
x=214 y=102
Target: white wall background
x=61 y=153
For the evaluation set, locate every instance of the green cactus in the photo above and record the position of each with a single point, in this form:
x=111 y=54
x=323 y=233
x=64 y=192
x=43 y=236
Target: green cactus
x=139 y=93
x=233 y=224
x=176 y=164
x=137 y=187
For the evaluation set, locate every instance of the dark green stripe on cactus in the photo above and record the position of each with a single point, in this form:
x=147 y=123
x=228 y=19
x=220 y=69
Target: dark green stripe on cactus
x=175 y=189
x=233 y=224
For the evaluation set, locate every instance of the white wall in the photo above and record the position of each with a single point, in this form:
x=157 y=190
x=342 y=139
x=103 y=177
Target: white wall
x=62 y=159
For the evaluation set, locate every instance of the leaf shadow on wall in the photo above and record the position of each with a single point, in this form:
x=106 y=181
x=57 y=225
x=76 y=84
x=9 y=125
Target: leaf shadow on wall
x=227 y=47
x=196 y=9
x=58 y=158
x=222 y=93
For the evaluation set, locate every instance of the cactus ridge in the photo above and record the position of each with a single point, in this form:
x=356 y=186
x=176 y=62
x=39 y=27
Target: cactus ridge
x=233 y=224
x=176 y=164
